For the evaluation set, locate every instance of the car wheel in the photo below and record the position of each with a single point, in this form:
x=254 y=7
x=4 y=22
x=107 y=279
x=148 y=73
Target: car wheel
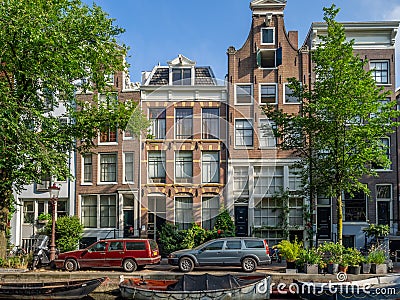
x=186 y=264
x=71 y=265
x=129 y=265
x=249 y=264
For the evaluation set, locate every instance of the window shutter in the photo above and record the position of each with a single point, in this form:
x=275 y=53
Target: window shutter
x=279 y=56
x=259 y=58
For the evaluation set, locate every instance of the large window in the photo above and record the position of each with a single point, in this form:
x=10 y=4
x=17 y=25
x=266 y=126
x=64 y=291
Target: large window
x=157 y=213
x=210 y=166
x=296 y=217
x=184 y=123
x=269 y=58
x=87 y=168
x=267 y=212
x=295 y=181
x=108 y=211
x=268 y=180
x=209 y=211
x=129 y=166
x=181 y=76
x=210 y=118
x=108 y=167
x=108 y=135
x=157 y=118
x=183 y=166
x=244 y=94
x=241 y=181
x=89 y=211
x=380 y=71
x=243 y=133
x=183 y=212
x=289 y=98
x=267 y=36
x=268 y=94
x=156 y=165
x=266 y=135
x=355 y=207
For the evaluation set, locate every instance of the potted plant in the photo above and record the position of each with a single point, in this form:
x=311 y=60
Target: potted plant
x=366 y=265
x=43 y=218
x=344 y=263
x=290 y=251
x=377 y=258
x=354 y=258
x=311 y=259
x=331 y=254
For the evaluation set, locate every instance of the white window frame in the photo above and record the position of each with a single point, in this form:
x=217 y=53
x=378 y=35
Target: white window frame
x=176 y=167
x=268 y=138
x=124 y=167
x=219 y=125
x=273 y=35
x=271 y=176
x=109 y=143
x=156 y=137
x=98 y=212
x=208 y=209
x=285 y=85
x=268 y=50
x=210 y=163
x=183 y=196
x=390 y=200
x=388 y=70
x=162 y=161
x=251 y=93
x=83 y=182
x=260 y=95
x=99 y=182
x=252 y=131
x=176 y=124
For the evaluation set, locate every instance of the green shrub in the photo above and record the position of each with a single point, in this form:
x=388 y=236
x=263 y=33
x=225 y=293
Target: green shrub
x=309 y=256
x=289 y=250
x=69 y=232
x=224 y=225
x=170 y=239
x=376 y=256
x=331 y=252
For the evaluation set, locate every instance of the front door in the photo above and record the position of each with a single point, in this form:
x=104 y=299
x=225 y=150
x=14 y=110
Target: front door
x=383 y=212
x=128 y=223
x=324 y=223
x=241 y=220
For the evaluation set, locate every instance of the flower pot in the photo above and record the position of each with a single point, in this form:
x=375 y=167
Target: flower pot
x=290 y=265
x=311 y=268
x=343 y=269
x=366 y=268
x=378 y=268
x=333 y=268
x=354 y=270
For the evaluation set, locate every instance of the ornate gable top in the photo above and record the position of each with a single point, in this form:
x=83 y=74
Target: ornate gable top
x=181 y=61
x=267 y=4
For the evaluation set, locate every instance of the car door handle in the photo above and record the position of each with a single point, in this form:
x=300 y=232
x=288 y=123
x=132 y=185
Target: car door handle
x=122 y=252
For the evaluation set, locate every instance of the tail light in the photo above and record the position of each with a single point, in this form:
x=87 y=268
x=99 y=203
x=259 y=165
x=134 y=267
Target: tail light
x=266 y=247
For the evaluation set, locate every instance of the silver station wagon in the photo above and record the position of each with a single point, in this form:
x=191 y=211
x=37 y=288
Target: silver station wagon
x=246 y=252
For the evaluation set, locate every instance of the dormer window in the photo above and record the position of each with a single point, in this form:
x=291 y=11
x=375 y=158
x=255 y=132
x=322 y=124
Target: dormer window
x=181 y=76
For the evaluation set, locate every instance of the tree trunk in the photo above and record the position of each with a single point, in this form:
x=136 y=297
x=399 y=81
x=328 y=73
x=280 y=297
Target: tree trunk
x=339 y=218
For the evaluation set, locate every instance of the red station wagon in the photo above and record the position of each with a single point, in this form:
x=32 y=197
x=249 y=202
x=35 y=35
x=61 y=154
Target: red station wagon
x=129 y=254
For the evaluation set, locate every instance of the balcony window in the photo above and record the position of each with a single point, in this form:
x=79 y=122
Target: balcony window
x=156 y=166
x=183 y=166
x=157 y=119
x=210 y=123
x=184 y=123
x=210 y=166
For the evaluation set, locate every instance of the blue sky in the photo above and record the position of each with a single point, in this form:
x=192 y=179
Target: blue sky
x=158 y=30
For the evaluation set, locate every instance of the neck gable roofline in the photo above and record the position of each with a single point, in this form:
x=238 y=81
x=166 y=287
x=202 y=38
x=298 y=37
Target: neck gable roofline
x=181 y=61
x=258 y=6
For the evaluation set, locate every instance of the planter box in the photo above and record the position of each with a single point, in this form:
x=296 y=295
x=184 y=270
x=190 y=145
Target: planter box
x=311 y=268
x=378 y=268
x=291 y=271
x=333 y=268
x=366 y=268
x=354 y=270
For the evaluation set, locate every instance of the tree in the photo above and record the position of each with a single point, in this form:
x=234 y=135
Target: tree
x=337 y=133
x=48 y=48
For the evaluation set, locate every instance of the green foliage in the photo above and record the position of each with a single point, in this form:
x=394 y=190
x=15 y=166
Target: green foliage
x=376 y=256
x=170 y=239
x=290 y=250
x=224 y=224
x=309 y=256
x=376 y=231
x=352 y=257
x=49 y=47
x=195 y=236
x=344 y=100
x=69 y=232
x=331 y=252
x=44 y=217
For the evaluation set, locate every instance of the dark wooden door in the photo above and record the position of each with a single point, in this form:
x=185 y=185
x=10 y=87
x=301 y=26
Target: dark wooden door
x=323 y=223
x=241 y=220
